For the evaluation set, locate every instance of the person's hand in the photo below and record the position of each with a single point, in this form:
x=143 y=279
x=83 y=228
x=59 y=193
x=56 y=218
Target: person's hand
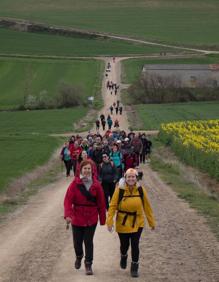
x=110 y=228
x=68 y=220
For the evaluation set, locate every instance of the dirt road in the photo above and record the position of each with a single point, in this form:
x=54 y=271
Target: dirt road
x=34 y=245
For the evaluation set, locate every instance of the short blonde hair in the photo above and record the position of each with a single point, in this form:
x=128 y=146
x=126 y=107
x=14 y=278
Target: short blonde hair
x=131 y=171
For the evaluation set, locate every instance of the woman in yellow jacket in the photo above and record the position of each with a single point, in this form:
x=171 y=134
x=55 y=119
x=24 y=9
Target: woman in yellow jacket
x=130 y=203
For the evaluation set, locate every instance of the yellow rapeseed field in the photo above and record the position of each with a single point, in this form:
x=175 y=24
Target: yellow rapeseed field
x=196 y=142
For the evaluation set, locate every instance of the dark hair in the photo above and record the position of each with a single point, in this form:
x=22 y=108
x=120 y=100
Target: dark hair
x=80 y=156
x=105 y=154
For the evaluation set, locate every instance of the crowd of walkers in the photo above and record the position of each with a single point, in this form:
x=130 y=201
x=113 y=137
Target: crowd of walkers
x=112 y=87
x=125 y=150
x=106 y=183
x=117 y=107
x=103 y=121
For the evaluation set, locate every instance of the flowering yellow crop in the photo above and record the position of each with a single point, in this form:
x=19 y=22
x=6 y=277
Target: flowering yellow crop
x=202 y=135
x=195 y=142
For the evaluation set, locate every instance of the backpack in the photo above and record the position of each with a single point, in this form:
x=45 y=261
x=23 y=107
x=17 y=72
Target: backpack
x=141 y=195
x=133 y=214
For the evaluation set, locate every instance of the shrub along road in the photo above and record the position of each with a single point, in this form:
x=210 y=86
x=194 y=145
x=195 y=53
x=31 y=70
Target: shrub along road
x=34 y=245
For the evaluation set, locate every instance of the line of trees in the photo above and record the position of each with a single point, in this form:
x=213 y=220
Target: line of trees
x=153 y=88
x=67 y=96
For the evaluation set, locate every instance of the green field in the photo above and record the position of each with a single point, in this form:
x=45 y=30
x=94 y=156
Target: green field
x=24 y=140
x=131 y=69
x=24 y=43
x=32 y=77
x=20 y=154
x=40 y=122
x=152 y=115
x=176 y=21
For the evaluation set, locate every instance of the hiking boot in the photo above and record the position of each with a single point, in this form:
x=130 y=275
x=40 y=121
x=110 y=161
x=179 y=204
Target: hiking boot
x=88 y=268
x=123 y=261
x=78 y=262
x=134 y=269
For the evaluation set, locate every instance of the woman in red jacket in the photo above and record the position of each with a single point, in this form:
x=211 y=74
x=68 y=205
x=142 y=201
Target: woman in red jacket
x=84 y=202
x=83 y=157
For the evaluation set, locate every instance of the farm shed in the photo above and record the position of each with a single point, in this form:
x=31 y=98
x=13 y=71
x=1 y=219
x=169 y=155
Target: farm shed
x=188 y=75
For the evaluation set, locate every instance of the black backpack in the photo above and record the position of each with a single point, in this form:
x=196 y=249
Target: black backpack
x=133 y=214
x=141 y=195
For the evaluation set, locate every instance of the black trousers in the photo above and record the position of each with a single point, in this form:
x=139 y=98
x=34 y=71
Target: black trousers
x=133 y=238
x=68 y=166
x=108 y=188
x=118 y=172
x=84 y=235
x=142 y=157
x=74 y=165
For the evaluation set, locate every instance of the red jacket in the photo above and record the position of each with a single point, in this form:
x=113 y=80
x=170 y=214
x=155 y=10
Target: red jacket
x=130 y=160
x=81 y=211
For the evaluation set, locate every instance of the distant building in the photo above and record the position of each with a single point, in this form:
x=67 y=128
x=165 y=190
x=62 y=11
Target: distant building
x=187 y=75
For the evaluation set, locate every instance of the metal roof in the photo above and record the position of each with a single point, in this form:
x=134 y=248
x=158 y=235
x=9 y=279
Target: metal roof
x=198 y=67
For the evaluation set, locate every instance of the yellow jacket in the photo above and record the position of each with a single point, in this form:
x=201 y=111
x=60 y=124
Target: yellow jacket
x=129 y=204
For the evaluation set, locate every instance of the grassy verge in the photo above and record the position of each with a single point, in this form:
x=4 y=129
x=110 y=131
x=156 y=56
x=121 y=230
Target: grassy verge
x=181 y=22
x=152 y=115
x=21 y=154
x=13 y=202
x=205 y=203
x=132 y=68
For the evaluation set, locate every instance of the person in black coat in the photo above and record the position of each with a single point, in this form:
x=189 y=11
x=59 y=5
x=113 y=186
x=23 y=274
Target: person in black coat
x=146 y=149
x=102 y=117
x=97 y=155
x=103 y=122
x=97 y=125
x=111 y=110
x=107 y=176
